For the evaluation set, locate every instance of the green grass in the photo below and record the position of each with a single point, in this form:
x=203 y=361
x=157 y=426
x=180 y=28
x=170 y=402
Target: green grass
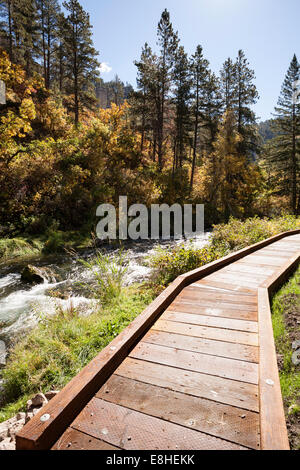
x=54 y=242
x=19 y=247
x=283 y=301
x=59 y=347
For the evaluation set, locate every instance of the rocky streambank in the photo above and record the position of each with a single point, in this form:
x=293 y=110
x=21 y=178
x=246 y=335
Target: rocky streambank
x=10 y=428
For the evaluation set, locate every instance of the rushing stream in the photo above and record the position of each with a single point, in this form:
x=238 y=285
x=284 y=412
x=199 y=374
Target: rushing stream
x=21 y=304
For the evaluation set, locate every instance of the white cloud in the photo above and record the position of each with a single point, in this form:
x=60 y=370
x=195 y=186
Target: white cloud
x=105 y=68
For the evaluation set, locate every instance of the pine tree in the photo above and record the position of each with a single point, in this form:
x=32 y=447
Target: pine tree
x=81 y=63
x=144 y=99
x=26 y=34
x=6 y=26
x=228 y=85
x=206 y=105
x=182 y=96
x=168 y=43
x=283 y=156
x=48 y=14
x=20 y=32
x=246 y=96
x=239 y=93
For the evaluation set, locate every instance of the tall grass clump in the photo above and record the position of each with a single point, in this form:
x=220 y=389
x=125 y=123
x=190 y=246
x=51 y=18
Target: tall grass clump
x=19 y=247
x=109 y=271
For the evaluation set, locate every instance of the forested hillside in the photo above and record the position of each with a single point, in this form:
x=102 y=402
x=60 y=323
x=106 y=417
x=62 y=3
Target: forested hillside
x=70 y=142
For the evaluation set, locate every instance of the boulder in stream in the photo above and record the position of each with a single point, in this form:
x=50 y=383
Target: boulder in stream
x=33 y=275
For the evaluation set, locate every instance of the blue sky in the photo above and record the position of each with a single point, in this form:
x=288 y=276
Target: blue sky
x=267 y=30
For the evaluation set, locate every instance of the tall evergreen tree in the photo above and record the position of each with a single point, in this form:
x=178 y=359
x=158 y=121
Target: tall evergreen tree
x=48 y=11
x=247 y=96
x=20 y=30
x=168 y=43
x=182 y=96
x=144 y=100
x=228 y=85
x=206 y=105
x=239 y=93
x=6 y=26
x=82 y=66
x=283 y=156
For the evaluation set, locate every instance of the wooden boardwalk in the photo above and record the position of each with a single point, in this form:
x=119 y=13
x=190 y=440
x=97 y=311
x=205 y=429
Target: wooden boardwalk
x=197 y=370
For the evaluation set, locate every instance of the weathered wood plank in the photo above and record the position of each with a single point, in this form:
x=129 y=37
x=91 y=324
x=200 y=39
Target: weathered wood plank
x=133 y=430
x=213 y=304
x=204 y=346
x=227 y=286
x=229 y=392
x=197 y=362
x=195 y=291
x=76 y=440
x=219 y=311
x=223 y=421
x=230 y=336
x=212 y=321
x=258 y=260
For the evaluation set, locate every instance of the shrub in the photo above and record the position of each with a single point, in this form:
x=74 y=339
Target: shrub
x=237 y=234
x=169 y=264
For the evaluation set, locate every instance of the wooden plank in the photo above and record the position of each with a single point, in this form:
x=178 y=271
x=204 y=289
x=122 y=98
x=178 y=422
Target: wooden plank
x=230 y=336
x=133 y=430
x=76 y=440
x=238 y=280
x=273 y=253
x=227 y=286
x=250 y=269
x=205 y=320
x=260 y=260
x=229 y=392
x=205 y=346
x=198 y=293
x=278 y=251
x=228 y=289
x=213 y=304
x=223 y=421
x=197 y=362
x=273 y=426
x=219 y=311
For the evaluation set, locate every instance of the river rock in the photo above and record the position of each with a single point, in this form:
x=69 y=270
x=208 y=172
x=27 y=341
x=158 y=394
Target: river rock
x=39 y=400
x=51 y=394
x=33 y=275
x=3 y=354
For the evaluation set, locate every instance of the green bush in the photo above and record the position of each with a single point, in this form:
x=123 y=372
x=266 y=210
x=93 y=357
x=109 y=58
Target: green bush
x=169 y=264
